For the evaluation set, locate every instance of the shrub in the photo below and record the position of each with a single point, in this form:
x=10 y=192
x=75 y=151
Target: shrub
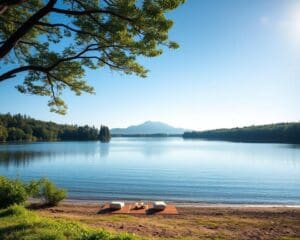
x=96 y=236
x=102 y=235
x=14 y=210
x=15 y=192
x=33 y=187
x=124 y=236
x=46 y=190
x=12 y=192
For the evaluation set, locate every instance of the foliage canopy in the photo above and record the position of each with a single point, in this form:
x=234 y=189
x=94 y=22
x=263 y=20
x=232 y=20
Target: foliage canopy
x=23 y=128
x=53 y=42
x=279 y=133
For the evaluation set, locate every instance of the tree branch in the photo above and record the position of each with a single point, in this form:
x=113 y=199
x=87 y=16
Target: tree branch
x=10 y=2
x=12 y=73
x=79 y=31
x=88 y=12
x=67 y=27
x=25 y=28
x=52 y=89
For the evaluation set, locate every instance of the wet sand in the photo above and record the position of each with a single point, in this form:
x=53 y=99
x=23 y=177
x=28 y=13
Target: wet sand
x=191 y=204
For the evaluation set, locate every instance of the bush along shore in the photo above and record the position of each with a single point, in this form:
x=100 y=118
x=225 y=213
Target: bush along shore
x=13 y=191
x=19 y=223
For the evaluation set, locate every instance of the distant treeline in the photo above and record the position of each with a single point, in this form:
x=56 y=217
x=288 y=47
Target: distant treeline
x=280 y=133
x=23 y=128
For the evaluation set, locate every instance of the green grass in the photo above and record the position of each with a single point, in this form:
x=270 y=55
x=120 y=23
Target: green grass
x=17 y=223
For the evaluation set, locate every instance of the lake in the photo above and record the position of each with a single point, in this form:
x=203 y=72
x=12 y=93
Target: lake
x=171 y=169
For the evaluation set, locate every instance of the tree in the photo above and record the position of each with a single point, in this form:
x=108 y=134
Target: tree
x=104 y=134
x=23 y=128
x=52 y=42
x=15 y=134
x=3 y=133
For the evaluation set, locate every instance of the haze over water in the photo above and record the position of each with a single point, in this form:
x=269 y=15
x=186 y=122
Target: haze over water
x=169 y=169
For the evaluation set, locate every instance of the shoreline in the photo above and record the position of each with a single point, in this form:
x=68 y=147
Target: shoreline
x=188 y=204
x=193 y=222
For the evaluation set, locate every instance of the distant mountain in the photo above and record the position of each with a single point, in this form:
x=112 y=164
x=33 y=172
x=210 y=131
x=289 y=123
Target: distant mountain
x=148 y=127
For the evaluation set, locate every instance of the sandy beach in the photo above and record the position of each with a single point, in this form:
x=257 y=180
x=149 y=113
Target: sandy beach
x=194 y=221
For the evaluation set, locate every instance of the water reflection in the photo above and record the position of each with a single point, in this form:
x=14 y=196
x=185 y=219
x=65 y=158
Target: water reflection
x=22 y=158
x=104 y=150
x=147 y=146
x=22 y=155
x=293 y=146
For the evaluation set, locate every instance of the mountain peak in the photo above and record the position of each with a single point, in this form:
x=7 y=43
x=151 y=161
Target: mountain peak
x=154 y=123
x=149 y=127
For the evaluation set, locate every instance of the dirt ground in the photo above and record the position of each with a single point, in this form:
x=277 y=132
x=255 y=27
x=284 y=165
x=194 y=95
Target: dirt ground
x=192 y=222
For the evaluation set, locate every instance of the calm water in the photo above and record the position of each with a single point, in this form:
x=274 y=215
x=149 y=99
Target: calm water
x=168 y=169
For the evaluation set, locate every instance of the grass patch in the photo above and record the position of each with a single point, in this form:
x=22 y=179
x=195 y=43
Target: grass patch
x=17 y=223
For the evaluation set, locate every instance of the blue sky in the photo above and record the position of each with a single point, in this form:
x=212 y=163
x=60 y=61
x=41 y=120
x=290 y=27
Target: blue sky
x=238 y=64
